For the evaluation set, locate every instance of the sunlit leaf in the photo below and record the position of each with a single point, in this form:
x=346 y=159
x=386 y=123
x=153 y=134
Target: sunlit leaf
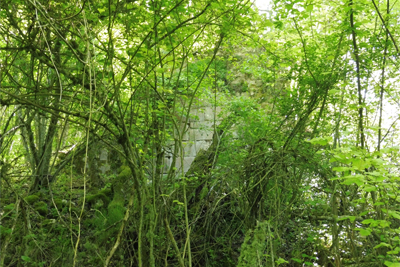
x=370 y=188
x=280 y=261
x=394 y=214
x=364 y=213
x=351 y=218
x=364 y=232
x=269 y=23
x=395 y=251
x=392 y=264
x=341 y=169
x=357 y=179
x=333 y=91
x=26 y=258
x=382 y=244
x=368 y=221
x=297 y=260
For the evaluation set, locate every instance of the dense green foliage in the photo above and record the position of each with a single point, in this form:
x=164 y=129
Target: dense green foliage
x=301 y=168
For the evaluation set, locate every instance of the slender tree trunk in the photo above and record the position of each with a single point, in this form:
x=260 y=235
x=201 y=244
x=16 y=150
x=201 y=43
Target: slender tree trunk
x=382 y=85
x=360 y=98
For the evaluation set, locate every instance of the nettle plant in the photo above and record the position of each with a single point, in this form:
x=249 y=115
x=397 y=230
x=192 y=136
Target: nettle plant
x=371 y=182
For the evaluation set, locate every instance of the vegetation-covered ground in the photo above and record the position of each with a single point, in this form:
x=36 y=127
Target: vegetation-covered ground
x=303 y=165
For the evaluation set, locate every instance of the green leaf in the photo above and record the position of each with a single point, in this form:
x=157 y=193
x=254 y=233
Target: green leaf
x=394 y=214
x=278 y=24
x=377 y=162
x=383 y=244
x=341 y=169
x=375 y=173
x=395 y=251
x=269 y=23
x=370 y=188
x=354 y=179
x=360 y=164
x=289 y=6
x=130 y=51
x=364 y=232
x=351 y=218
x=309 y=8
x=320 y=140
x=26 y=258
x=364 y=213
x=392 y=264
x=178 y=202
x=384 y=223
x=333 y=91
x=280 y=261
x=360 y=201
x=297 y=260
x=368 y=221
x=160 y=70
x=5 y=230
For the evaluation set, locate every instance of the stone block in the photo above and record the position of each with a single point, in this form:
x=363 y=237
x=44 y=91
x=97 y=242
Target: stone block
x=204 y=134
x=192 y=134
x=235 y=135
x=167 y=164
x=194 y=115
x=209 y=114
x=189 y=149
x=219 y=109
x=178 y=164
x=187 y=161
x=200 y=115
x=199 y=103
x=169 y=146
x=202 y=145
x=203 y=125
x=183 y=127
x=183 y=130
x=103 y=154
x=186 y=136
x=104 y=168
x=181 y=115
x=195 y=124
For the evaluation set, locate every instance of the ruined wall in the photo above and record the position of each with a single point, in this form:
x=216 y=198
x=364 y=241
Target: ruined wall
x=198 y=135
x=200 y=125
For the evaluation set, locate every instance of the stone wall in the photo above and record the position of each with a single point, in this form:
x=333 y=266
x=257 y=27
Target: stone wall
x=198 y=135
x=199 y=128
